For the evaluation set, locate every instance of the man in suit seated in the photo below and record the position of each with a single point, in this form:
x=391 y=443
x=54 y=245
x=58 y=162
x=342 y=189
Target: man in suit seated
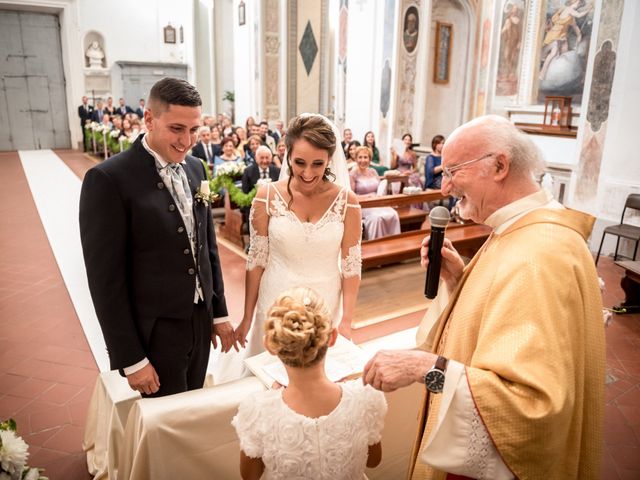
x=204 y=149
x=267 y=139
x=98 y=112
x=263 y=169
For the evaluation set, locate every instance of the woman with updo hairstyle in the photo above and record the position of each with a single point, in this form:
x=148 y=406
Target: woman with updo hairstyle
x=304 y=229
x=313 y=428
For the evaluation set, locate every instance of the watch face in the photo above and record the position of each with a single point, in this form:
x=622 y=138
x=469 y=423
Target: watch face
x=434 y=380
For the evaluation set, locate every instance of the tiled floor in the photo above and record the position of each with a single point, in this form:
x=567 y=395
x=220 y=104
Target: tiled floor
x=47 y=370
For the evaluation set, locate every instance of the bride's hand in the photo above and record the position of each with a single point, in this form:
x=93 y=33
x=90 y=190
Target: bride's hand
x=241 y=332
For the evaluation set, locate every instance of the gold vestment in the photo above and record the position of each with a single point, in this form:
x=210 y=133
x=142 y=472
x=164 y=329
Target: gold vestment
x=526 y=321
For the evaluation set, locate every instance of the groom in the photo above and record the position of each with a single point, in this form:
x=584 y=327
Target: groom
x=150 y=251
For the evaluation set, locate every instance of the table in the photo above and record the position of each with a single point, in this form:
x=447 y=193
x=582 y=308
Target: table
x=189 y=435
x=630 y=283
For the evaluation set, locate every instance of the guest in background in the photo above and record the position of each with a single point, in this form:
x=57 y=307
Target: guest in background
x=123 y=108
x=262 y=169
x=407 y=163
x=85 y=111
x=228 y=154
x=226 y=127
x=248 y=124
x=127 y=129
x=136 y=129
x=140 y=110
x=98 y=112
x=265 y=137
x=254 y=142
x=216 y=139
x=370 y=141
x=110 y=107
x=242 y=141
x=281 y=150
x=379 y=221
x=116 y=120
x=337 y=426
x=351 y=154
x=203 y=149
x=347 y=137
x=433 y=164
x=106 y=121
x=279 y=132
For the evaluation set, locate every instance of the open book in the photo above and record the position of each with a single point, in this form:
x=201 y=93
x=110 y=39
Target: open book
x=344 y=360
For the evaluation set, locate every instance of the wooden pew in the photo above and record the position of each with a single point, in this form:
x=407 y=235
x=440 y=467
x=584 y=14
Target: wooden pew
x=467 y=239
x=232 y=228
x=411 y=218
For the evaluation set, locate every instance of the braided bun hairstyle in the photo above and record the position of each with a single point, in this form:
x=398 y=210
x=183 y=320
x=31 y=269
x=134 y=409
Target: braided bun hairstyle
x=298 y=327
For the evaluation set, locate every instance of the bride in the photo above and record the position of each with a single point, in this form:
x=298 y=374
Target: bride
x=305 y=230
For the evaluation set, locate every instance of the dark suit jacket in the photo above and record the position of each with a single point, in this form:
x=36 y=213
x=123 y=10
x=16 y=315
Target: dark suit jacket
x=137 y=253
x=198 y=151
x=85 y=113
x=127 y=109
x=251 y=176
x=140 y=113
x=95 y=116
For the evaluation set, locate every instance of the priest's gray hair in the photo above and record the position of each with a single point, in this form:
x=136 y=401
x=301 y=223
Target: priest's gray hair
x=504 y=137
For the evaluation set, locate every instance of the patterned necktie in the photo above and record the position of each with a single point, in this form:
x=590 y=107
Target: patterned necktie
x=264 y=174
x=182 y=194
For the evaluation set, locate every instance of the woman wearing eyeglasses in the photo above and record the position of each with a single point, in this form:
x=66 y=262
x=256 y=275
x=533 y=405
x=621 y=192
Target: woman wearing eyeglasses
x=433 y=164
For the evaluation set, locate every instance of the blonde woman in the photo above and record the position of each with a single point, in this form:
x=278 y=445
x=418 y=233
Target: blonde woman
x=313 y=428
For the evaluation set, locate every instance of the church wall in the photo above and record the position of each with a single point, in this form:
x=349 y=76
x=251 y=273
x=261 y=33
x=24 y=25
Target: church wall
x=224 y=53
x=245 y=67
x=620 y=168
x=364 y=71
x=444 y=102
x=204 y=53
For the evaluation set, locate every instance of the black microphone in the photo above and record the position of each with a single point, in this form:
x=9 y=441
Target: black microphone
x=438 y=218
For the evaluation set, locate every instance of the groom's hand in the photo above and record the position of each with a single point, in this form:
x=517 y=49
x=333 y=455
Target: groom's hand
x=224 y=330
x=144 y=380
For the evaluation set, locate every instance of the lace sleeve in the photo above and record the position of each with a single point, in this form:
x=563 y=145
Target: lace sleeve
x=375 y=406
x=258 y=254
x=351 y=258
x=247 y=425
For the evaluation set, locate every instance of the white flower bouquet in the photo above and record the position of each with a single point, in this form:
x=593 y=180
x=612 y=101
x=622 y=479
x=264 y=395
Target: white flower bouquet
x=230 y=169
x=14 y=454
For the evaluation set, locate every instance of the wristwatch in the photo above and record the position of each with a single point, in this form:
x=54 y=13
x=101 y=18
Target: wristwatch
x=434 y=378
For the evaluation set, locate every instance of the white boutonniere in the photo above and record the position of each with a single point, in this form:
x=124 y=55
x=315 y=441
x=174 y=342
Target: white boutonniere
x=204 y=195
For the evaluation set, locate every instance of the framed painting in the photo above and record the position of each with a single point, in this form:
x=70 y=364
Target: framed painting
x=411 y=28
x=169 y=34
x=442 y=61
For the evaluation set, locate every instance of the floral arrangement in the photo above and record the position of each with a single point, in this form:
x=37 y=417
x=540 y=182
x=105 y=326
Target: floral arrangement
x=231 y=169
x=102 y=135
x=204 y=194
x=14 y=454
x=226 y=176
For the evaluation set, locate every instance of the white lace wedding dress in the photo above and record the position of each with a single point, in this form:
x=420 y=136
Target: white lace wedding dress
x=293 y=446
x=295 y=254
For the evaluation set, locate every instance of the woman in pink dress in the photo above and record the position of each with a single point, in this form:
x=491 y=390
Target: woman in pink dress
x=379 y=221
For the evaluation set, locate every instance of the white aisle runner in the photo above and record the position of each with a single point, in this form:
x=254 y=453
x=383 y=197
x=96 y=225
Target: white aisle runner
x=56 y=192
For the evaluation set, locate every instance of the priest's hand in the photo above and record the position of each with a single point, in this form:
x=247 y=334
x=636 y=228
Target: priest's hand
x=452 y=264
x=144 y=380
x=224 y=330
x=389 y=370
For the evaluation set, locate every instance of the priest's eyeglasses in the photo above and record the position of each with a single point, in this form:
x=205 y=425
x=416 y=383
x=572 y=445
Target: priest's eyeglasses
x=447 y=172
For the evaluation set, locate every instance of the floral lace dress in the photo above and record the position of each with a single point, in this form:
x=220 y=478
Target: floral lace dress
x=292 y=446
x=296 y=254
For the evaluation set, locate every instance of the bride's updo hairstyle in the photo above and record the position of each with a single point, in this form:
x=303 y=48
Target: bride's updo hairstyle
x=315 y=130
x=298 y=327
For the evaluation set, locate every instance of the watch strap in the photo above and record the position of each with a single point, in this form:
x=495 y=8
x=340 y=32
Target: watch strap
x=441 y=363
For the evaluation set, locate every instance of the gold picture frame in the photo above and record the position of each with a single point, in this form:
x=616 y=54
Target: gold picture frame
x=442 y=61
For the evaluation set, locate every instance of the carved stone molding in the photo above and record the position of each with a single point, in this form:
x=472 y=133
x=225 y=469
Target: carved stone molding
x=406 y=86
x=271 y=42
